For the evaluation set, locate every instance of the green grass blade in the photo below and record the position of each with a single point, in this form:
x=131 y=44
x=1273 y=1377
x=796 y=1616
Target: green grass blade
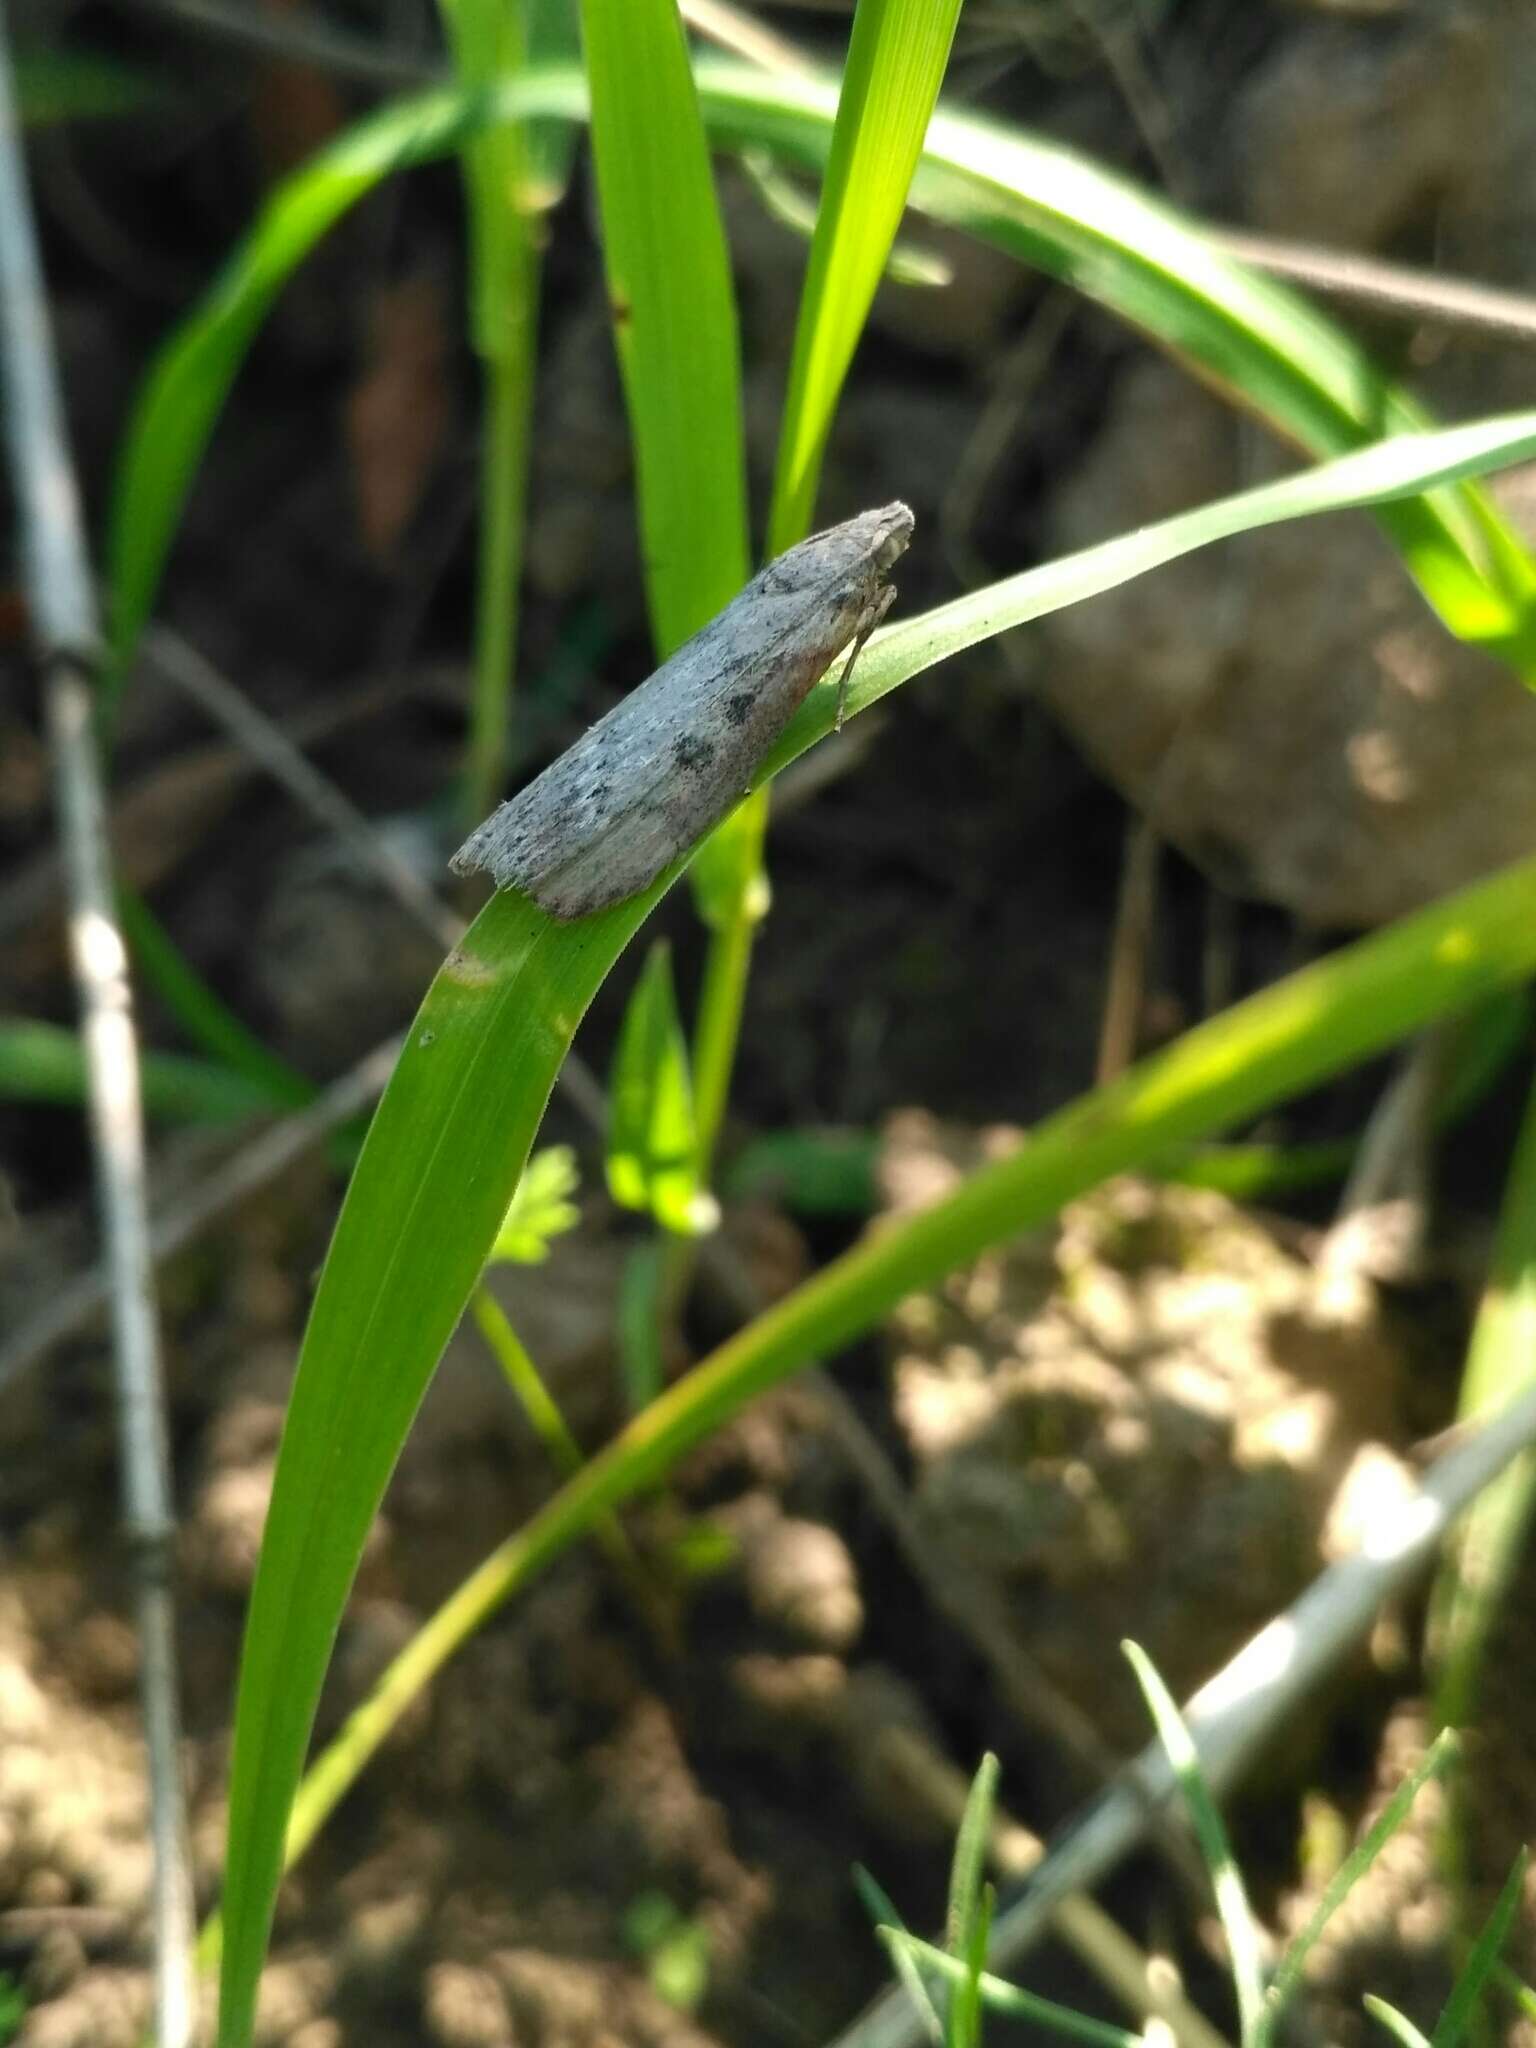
x=1484 y=1046
x=455 y=1126
x=642 y=1367
x=896 y=59
x=1000 y=1996
x=1476 y=1576
x=1516 y=1989
x=967 y=1871
x=1143 y=261
x=968 y=1919
x=56 y=84
x=184 y=392
x=489 y=39
x=965 y=2014
x=1451 y=2029
x=1330 y=1015
x=207 y=1020
x=652 y=1142
x=42 y=1062
x=1129 y=252
x=1287 y=1978
x=1397 y=2024
x=886 y=1922
x=429 y=1194
x=674 y=311
x=1236 y=1915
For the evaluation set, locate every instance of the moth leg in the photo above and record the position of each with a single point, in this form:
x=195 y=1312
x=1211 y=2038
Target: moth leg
x=877 y=611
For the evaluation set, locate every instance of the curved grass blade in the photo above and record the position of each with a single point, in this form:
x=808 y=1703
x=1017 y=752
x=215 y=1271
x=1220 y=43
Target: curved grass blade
x=41 y=1062
x=1397 y=2024
x=1132 y=254
x=348 y=1417
x=998 y=1995
x=1142 y=260
x=184 y=392
x=454 y=1129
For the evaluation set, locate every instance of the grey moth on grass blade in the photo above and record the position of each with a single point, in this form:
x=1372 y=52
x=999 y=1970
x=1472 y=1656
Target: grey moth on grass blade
x=679 y=752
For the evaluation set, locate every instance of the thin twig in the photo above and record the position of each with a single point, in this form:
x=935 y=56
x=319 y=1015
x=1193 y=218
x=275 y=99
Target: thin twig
x=314 y=791
x=223 y=1189
x=1243 y=1707
x=1397 y=288
x=66 y=639
x=1130 y=947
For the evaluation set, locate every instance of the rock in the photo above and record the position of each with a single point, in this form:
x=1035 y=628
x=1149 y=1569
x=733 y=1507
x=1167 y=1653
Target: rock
x=1283 y=707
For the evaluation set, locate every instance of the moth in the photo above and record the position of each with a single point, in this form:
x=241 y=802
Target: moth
x=650 y=778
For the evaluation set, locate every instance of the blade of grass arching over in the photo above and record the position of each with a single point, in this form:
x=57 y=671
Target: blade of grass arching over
x=1133 y=255
x=445 y=1149
x=1142 y=260
x=896 y=58
x=674 y=311
x=1475 y=1578
x=453 y=1132
x=180 y=400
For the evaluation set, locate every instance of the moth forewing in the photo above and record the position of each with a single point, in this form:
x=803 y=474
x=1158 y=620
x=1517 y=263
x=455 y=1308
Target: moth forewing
x=667 y=764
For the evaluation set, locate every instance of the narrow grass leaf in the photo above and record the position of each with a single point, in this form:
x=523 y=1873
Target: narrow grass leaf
x=205 y=1018
x=1155 y=268
x=1236 y=1915
x=41 y=1062
x=1397 y=2024
x=1134 y=255
x=887 y=1922
x=1330 y=1015
x=967 y=1870
x=489 y=40
x=1475 y=1579
x=1002 y=1997
x=1454 y=2022
x=453 y=1133
x=965 y=2012
x=1515 y=1988
x=443 y=1155
x=652 y=1142
x=674 y=311
x=896 y=58
x=1483 y=1046
x=792 y=208
x=641 y=1365
x=53 y=85
x=1287 y=1979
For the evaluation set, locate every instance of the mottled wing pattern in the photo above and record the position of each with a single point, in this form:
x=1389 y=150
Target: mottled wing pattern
x=679 y=752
